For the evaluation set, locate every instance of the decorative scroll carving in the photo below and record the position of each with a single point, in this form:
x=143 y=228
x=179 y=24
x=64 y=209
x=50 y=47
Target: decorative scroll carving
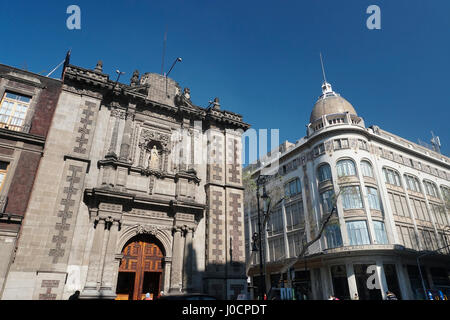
x=151 y=135
x=150 y=229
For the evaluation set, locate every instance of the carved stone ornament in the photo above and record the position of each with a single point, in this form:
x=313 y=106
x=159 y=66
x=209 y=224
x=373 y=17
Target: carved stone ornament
x=150 y=135
x=147 y=229
x=117 y=113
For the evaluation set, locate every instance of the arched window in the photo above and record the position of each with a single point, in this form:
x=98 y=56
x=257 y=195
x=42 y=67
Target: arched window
x=431 y=189
x=327 y=201
x=412 y=183
x=324 y=173
x=366 y=169
x=346 y=168
x=351 y=197
x=392 y=177
x=446 y=195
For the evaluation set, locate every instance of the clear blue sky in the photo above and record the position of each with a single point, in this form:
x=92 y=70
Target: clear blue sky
x=260 y=57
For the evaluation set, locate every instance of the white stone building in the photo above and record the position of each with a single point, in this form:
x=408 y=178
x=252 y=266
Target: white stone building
x=392 y=204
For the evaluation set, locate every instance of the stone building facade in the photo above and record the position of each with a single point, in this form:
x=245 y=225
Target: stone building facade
x=393 y=205
x=139 y=190
x=27 y=105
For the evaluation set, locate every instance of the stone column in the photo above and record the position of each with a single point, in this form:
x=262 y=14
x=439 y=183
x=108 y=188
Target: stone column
x=327 y=284
x=381 y=278
x=126 y=139
x=176 y=276
x=402 y=280
x=429 y=277
x=167 y=272
x=110 y=264
x=115 y=133
x=353 y=288
x=188 y=260
x=91 y=287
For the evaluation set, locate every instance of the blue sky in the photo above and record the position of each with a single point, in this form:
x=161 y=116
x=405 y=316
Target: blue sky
x=260 y=57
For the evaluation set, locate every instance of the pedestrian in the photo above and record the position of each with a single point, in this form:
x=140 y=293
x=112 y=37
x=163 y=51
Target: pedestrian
x=75 y=296
x=148 y=296
x=356 y=297
x=390 y=296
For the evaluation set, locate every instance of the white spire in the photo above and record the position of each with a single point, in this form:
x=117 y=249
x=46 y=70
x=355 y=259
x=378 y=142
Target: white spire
x=326 y=87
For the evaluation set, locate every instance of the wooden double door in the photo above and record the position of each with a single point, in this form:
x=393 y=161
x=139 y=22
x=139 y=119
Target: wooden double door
x=140 y=271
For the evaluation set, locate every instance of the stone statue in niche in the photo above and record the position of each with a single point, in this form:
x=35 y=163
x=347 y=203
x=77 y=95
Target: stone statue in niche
x=153 y=160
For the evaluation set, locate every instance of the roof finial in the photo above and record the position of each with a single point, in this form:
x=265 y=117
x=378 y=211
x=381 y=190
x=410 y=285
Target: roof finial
x=323 y=69
x=326 y=87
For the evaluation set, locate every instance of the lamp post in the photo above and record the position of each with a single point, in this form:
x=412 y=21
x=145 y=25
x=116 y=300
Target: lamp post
x=261 y=181
x=420 y=271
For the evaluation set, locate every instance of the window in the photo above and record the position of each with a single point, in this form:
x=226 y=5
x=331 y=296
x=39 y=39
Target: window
x=294 y=214
x=380 y=232
x=362 y=145
x=439 y=214
x=346 y=168
x=357 y=233
x=398 y=205
x=275 y=224
x=340 y=144
x=337 y=144
x=351 y=198
x=366 y=169
x=446 y=196
x=13 y=110
x=445 y=192
x=3 y=172
x=292 y=188
x=318 y=150
x=431 y=189
x=327 y=201
x=374 y=198
x=420 y=210
x=428 y=239
x=276 y=249
x=333 y=236
x=294 y=242
x=392 y=177
x=412 y=183
x=324 y=173
x=407 y=237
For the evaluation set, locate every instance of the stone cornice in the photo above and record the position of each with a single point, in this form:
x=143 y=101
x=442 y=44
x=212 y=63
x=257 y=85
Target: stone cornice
x=101 y=82
x=22 y=136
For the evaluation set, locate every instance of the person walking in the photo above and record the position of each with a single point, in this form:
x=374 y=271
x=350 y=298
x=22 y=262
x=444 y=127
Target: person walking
x=75 y=296
x=148 y=296
x=390 y=296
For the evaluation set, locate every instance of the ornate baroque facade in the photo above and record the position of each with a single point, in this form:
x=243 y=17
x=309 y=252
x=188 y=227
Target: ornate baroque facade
x=135 y=181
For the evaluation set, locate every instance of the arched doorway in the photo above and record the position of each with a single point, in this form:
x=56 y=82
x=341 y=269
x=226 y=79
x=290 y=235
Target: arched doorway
x=141 y=269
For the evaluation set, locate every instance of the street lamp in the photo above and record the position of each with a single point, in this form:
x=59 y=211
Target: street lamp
x=261 y=181
x=420 y=271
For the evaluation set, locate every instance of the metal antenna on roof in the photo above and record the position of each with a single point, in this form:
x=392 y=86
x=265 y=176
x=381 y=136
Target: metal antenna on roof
x=323 y=69
x=164 y=51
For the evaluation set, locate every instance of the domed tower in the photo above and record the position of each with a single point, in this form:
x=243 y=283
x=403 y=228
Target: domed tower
x=331 y=109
